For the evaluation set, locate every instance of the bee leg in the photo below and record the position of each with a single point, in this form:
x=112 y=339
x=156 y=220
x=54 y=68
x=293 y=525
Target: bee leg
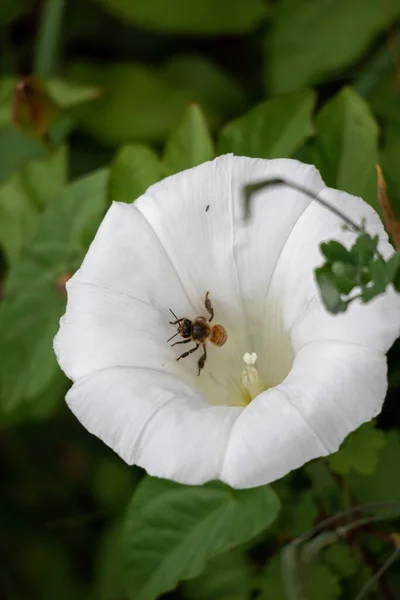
x=175 y=322
x=209 y=308
x=185 y=354
x=202 y=359
x=182 y=342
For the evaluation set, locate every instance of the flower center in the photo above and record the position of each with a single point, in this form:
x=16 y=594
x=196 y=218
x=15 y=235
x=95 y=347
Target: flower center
x=233 y=377
x=250 y=377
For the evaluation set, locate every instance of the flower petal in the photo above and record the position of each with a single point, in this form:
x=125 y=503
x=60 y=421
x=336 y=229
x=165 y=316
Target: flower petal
x=103 y=329
x=156 y=421
x=126 y=256
x=331 y=390
x=117 y=313
x=217 y=250
x=294 y=291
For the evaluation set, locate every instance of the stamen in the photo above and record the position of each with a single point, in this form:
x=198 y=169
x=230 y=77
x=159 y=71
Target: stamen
x=250 y=376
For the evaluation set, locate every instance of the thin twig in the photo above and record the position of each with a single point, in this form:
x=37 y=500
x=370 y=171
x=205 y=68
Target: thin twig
x=375 y=577
x=250 y=189
x=342 y=515
x=311 y=194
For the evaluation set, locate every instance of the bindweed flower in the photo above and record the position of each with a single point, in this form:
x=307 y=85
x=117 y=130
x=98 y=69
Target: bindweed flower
x=290 y=382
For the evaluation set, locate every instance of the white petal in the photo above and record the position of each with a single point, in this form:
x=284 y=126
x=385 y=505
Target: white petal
x=294 y=291
x=127 y=257
x=331 y=390
x=103 y=329
x=156 y=421
x=217 y=250
x=117 y=313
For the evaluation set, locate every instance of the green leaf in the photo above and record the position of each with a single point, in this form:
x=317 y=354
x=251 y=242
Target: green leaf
x=172 y=530
x=345 y=275
x=139 y=104
x=39 y=408
x=325 y=487
x=190 y=144
x=330 y=295
x=20 y=149
x=272 y=587
x=377 y=67
x=112 y=483
x=384 y=99
x=68 y=94
x=361 y=268
x=312 y=40
x=298 y=513
x=219 y=95
x=226 y=577
x=44 y=179
x=363 y=249
x=342 y=559
x=10 y=10
x=345 y=148
x=7 y=85
x=35 y=293
x=389 y=160
x=17 y=216
x=275 y=128
x=359 y=451
x=24 y=195
x=109 y=575
x=143 y=104
x=382 y=484
x=48 y=568
x=208 y=17
x=134 y=169
x=335 y=251
x=321 y=581
x=393 y=270
x=324 y=584
x=382 y=274
x=379 y=281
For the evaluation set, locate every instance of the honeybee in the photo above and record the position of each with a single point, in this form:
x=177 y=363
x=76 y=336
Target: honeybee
x=199 y=331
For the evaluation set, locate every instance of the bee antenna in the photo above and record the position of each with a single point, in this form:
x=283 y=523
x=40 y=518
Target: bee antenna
x=172 y=336
x=173 y=314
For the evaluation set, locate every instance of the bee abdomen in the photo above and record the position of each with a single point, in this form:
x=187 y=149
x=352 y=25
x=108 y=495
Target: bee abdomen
x=218 y=335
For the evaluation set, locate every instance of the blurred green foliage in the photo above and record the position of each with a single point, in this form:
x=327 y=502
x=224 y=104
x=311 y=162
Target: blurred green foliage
x=128 y=93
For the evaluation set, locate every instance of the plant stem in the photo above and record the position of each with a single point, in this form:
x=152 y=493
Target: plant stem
x=251 y=188
x=254 y=187
x=46 y=49
x=388 y=563
x=347 y=513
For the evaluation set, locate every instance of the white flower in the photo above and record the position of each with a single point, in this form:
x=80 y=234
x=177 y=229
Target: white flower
x=290 y=382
